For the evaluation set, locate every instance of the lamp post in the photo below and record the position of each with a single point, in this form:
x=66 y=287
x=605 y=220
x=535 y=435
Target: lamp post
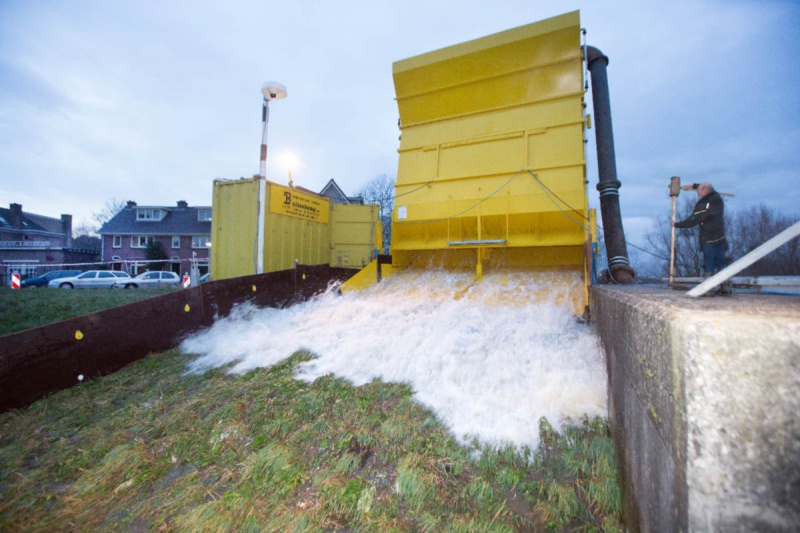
x=272 y=91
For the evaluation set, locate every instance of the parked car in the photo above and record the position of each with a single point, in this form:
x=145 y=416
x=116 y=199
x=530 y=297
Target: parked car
x=150 y=279
x=205 y=277
x=92 y=279
x=44 y=279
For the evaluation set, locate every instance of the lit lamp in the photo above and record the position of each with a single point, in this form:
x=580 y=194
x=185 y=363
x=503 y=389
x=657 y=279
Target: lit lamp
x=290 y=161
x=271 y=90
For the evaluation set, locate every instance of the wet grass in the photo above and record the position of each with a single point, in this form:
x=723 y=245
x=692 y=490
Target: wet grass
x=29 y=308
x=151 y=449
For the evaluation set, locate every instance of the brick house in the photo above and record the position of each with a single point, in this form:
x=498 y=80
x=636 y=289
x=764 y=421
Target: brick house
x=183 y=231
x=32 y=244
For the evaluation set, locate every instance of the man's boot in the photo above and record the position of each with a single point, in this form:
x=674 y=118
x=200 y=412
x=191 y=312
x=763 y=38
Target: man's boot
x=712 y=292
x=725 y=288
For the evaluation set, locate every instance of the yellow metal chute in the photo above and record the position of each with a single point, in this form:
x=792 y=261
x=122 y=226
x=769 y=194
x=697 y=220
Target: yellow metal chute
x=491 y=171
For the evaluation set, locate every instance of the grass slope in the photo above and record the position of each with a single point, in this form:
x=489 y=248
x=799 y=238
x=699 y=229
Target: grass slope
x=151 y=449
x=29 y=308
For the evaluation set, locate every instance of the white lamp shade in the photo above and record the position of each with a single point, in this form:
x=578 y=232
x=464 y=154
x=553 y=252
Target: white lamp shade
x=273 y=90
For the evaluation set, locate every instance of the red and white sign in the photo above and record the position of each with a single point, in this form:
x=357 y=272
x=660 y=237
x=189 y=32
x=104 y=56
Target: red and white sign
x=185 y=280
x=15 y=281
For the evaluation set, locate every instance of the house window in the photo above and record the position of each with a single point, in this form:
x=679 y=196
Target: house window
x=117 y=241
x=140 y=241
x=199 y=241
x=176 y=241
x=149 y=214
x=204 y=215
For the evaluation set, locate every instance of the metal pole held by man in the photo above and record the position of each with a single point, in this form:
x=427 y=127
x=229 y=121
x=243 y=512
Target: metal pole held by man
x=674 y=191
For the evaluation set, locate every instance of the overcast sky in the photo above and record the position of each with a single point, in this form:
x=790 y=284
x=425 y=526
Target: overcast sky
x=152 y=100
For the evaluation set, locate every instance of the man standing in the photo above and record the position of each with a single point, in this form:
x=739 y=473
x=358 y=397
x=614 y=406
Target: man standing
x=709 y=214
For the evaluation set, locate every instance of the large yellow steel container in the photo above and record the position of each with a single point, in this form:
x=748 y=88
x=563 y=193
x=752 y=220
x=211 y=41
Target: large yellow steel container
x=249 y=236
x=355 y=234
x=491 y=168
x=234 y=228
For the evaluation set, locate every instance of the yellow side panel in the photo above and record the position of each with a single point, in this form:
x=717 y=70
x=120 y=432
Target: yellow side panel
x=294 y=236
x=367 y=277
x=234 y=221
x=355 y=234
x=557 y=146
x=485 y=156
x=533 y=62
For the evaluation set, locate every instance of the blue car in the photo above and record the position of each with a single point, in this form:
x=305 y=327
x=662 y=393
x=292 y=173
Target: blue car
x=44 y=279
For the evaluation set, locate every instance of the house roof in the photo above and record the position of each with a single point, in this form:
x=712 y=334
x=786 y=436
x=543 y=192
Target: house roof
x=335 y=193
x=30 y=222
x=53 y=225
x=181 y=220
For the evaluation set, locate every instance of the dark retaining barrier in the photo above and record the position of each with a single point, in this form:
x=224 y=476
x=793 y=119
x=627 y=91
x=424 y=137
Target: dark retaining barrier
x=43 y=360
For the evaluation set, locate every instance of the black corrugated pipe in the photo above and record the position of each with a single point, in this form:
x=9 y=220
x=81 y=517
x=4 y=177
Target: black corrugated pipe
x=608 y=185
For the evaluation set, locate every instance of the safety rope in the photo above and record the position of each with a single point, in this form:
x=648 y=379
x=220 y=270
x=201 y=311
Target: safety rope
x=396 y=196
x=434 y=220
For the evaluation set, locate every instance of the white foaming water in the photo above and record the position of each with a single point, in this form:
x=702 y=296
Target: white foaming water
x=489 y=359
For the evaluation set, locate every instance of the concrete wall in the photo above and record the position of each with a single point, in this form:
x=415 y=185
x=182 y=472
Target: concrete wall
x=704 y=407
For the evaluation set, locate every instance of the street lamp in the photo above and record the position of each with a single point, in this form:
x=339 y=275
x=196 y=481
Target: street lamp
x=271 y=90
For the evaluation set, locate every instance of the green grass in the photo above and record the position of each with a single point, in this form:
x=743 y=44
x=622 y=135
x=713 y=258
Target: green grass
x=29 y=308
x=151 y=449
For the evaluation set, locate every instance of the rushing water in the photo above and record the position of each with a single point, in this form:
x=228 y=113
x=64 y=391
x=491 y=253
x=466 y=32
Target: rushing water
x=489 y=359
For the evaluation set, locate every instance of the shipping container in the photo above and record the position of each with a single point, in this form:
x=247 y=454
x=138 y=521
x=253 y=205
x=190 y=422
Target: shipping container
x=289 y=226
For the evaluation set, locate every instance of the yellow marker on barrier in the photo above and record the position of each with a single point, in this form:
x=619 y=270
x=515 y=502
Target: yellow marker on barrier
x=254 y=288
x=187 y=308
x=78 y=334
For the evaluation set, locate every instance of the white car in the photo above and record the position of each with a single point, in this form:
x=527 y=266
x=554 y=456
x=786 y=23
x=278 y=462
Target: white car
x=92 y=279
x=150 y=279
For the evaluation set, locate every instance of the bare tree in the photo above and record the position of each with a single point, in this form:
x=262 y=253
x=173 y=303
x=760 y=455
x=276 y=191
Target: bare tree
x=688 y=259
x=753 y=227
x=84 y=229
x=109 y=211
x=380 y=190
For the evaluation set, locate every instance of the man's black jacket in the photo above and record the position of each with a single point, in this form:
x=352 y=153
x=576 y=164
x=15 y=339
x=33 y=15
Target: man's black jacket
x=709 y=213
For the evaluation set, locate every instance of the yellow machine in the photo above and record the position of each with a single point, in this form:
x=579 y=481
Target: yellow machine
x=492 y=172
x=259 y=226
